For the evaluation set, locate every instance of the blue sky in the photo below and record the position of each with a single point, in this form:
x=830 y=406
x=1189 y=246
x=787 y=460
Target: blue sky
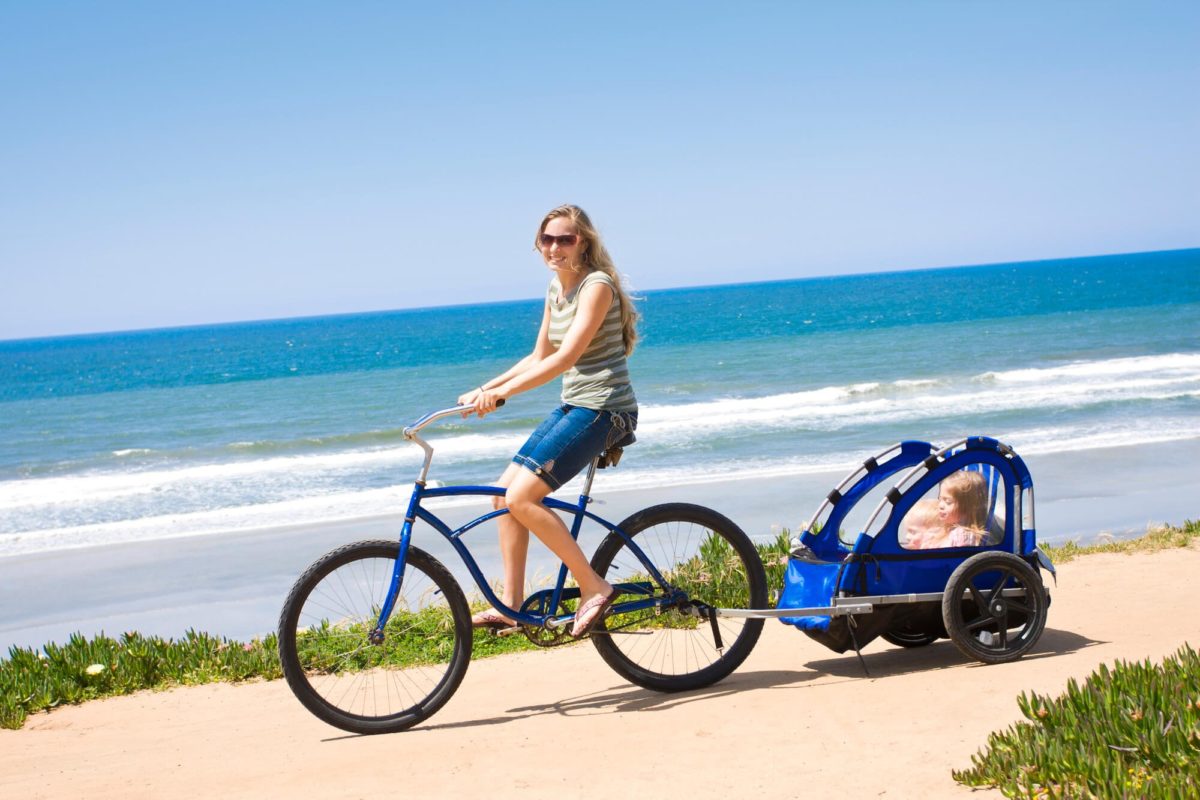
x=181 y=163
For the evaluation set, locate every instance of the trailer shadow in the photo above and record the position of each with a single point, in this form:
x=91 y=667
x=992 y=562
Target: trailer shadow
x=939 y=655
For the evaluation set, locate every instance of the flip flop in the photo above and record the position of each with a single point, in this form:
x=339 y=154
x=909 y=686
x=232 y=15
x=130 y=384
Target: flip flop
x=492 y=620
x=591 y=612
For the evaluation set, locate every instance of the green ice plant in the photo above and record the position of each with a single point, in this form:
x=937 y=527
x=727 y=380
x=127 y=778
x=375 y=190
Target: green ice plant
x=1130 y=730
x=775 y=556
x=84 y=669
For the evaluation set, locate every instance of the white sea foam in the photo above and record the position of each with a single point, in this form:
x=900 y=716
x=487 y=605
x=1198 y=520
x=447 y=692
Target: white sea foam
x=356 y=505
x=390 y=501
x=105 y=486
x=1177 y=365
x=1104 y=404
x=832 y=408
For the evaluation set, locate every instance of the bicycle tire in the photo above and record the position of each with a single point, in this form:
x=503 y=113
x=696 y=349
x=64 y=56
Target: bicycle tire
x=339 y=674
x=708 y=556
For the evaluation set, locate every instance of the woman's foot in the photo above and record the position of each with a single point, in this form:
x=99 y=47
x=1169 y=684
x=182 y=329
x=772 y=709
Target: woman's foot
x=591 y=611
x=493 y=619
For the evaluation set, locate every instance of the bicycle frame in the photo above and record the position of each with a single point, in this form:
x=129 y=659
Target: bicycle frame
x=559 y=593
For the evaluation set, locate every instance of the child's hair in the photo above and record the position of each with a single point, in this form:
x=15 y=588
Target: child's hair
x=969 y=491
x=923 y=513
x=595 y=256
x=923 y=529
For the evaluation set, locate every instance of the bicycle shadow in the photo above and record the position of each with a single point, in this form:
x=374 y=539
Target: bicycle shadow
x=628 y=698
x=941 y=655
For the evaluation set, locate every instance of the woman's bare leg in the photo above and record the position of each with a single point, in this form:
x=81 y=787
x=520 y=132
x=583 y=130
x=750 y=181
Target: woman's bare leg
x=525 y=494
x=514 y=546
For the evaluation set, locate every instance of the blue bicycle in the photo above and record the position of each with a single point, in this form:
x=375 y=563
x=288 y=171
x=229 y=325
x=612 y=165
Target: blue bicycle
x=376 y=635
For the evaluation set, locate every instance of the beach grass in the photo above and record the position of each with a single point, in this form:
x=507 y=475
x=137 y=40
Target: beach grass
x=1130 y=730
x=1164 y=537
x=85 y=669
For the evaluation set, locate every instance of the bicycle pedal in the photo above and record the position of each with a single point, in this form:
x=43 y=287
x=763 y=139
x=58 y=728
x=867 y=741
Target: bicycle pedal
x=507 y=631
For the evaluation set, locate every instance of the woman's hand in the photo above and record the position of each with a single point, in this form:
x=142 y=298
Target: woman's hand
x=468 y=399
x=485 y=400
x=488 y=400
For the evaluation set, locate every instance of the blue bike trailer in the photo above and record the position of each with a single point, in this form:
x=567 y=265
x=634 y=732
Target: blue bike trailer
x=986 y=597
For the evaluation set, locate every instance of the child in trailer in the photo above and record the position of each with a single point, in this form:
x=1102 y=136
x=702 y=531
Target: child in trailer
x=962 y=508
x=923 y=528
x=588 y=330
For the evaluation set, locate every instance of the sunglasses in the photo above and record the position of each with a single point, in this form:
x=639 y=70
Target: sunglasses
x=566 y=240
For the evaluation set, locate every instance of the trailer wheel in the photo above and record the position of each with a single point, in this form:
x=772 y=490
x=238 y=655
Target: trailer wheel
x=994 y=607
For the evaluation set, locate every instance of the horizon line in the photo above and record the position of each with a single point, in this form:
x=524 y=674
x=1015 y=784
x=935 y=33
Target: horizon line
x=381 y=311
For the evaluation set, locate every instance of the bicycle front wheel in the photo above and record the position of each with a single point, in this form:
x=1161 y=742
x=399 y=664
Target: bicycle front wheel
x=704 y=558
x=368 y=683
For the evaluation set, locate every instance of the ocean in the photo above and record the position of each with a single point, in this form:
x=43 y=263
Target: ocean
x=151 y=435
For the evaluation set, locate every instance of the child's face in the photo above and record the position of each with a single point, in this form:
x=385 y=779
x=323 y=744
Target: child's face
x=922 y=531
x=914 y=536
x=947 y=507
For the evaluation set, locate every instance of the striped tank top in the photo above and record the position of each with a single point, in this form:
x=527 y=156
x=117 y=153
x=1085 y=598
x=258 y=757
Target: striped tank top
x=600 y=378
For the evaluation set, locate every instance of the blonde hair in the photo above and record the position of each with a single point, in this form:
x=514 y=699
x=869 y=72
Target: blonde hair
x=595 y=256
x=923 y=513
x=969 y=490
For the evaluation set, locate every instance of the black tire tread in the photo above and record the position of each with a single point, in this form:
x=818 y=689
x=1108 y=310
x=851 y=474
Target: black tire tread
x=952 y=601
x=757 y=579
x=292 y=607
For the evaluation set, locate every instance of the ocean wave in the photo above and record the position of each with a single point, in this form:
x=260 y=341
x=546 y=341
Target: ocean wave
x=1103 y=403
x=310 y=443
x=1175 y=366
x=1128 y=380
x=106 y=486
x=389 y=502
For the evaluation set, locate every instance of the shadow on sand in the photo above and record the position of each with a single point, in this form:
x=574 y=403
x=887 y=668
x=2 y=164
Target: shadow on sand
x=942 y=654
x=627 y=698
x=893 y=661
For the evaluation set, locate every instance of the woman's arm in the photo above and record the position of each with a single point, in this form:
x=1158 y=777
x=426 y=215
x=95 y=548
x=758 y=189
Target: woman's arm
x=541 y=348
x=593 y=307
x=594 y=303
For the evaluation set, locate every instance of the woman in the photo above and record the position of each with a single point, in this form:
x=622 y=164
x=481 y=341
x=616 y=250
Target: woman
x=588 y=329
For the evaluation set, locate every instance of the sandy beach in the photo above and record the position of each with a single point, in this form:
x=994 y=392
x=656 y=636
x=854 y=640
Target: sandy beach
x=795 y=721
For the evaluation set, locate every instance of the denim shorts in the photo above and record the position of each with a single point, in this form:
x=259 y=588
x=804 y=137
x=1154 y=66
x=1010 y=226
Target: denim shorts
x=570 y=438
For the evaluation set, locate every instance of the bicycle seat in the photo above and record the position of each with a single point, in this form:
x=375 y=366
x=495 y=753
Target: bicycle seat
x=612 y=456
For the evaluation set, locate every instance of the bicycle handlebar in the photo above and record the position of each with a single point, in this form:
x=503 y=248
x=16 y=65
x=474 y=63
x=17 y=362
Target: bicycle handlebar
x=434 y=416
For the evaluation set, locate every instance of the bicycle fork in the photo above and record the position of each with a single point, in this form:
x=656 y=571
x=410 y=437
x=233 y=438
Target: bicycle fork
x=389 y=602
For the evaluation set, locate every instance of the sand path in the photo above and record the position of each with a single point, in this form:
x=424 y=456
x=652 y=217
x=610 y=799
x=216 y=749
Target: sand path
x=795 y=721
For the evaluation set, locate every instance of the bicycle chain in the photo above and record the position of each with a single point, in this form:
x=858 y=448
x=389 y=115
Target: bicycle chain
x=546 y=637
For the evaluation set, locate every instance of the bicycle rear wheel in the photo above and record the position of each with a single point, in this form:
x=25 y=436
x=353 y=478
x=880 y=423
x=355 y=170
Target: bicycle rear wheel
x=707 y=558
x=352 y=682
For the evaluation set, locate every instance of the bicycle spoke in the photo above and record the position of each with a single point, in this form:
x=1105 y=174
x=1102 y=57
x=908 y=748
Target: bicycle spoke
x=356 y=683
x=702 y=563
